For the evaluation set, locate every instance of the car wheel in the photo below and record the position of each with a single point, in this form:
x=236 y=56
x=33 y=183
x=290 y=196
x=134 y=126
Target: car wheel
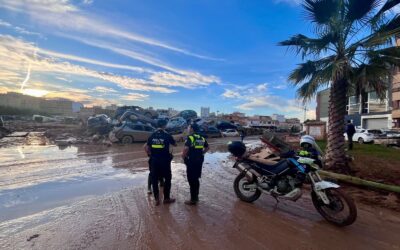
x=361 y=140
x=127 y=139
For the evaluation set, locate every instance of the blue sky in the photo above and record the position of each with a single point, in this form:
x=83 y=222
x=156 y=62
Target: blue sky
x=179 y=54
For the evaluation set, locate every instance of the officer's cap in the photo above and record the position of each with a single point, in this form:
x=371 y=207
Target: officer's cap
x=195 y=127
x=161 y=123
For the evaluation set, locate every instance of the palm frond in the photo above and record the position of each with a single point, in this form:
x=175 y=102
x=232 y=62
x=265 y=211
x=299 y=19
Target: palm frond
x=321 y=11
x=358 y=10
x=371 y=77
x=384 y=34
x=380 y=14
x=309 y=89
x=310 y=46
x=309 y=69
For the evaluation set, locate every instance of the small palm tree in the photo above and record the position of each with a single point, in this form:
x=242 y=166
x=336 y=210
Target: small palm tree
x=354 y=51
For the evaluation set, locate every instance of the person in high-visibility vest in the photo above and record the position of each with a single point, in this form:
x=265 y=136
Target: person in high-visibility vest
x=157 y=147
x=193 y=155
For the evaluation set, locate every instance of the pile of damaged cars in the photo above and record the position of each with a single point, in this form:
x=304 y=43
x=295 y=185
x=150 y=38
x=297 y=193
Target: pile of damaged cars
x=134 y=124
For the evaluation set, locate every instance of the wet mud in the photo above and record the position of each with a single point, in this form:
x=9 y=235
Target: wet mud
x=94 y=197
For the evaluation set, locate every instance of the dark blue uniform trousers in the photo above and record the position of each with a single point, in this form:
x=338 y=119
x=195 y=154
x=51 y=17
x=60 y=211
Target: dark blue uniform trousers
x=193 y=171
x=161 y=168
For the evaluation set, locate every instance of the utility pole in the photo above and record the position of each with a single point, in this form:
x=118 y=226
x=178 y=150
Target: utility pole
x=305 y=113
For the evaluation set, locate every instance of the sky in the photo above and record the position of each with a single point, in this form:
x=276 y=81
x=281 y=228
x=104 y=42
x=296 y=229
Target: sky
x=164 y=54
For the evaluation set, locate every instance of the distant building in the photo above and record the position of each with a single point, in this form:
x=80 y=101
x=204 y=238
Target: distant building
x=52 y=106
x=279 y=118
x=322 y=105
x=291 y=123
x=365 y=110
x=260 y=121
x=172 y=112
x=235 y=117
x=205 y=112
x=59 y=107
x=396 y=96
x=20 y=101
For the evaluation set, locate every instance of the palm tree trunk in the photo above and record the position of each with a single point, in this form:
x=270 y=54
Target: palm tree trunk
x=335 y=152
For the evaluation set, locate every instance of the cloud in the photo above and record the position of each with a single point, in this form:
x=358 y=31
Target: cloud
x=311 y=115
x=182 y=78
x=290 y=2
x=186 y=80
x=18 y=29
x=87 y=2
x=102 y=89
x=262 y=87
x=16 y=56
x=63 y=79
x=91 y=61
x=5 y=24
x=256 y=96
x=280 y=86
x=42 y=6
x=63 y=15
x=134 y=97
x=231 y=94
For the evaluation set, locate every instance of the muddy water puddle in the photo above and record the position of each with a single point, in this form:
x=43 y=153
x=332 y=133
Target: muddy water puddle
x=36 y=178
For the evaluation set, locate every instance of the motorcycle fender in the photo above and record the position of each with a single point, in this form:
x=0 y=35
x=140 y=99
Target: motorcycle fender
x=319 y=187
x=322 y=185
x=249 y=175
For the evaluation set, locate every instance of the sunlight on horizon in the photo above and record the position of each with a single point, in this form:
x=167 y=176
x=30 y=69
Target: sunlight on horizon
x=35 y=92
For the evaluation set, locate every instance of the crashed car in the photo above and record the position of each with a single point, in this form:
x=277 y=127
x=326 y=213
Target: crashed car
x=99 y=124
x=132 y=116
x=176 y=125
x=210 y=132
x=224 y=125
x=187 y=115
x=151 y=114
x=129 y=132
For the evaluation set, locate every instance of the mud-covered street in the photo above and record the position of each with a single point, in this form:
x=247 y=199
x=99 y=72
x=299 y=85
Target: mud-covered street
x=95 y=197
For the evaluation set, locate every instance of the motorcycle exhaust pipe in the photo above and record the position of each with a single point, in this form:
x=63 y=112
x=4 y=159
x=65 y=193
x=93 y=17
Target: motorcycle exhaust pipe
x=251 y=174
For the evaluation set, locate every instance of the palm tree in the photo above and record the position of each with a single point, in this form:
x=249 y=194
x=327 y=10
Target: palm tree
x=353 y=51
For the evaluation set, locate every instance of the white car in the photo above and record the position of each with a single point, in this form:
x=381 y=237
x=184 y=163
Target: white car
x=362 y=136
x=230 y=132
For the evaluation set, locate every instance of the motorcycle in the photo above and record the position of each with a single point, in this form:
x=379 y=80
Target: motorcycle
x=285 y=180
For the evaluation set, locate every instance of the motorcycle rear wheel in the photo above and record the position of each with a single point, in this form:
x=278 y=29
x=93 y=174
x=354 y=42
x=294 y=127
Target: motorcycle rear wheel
x=339 y=203
x=241 y=192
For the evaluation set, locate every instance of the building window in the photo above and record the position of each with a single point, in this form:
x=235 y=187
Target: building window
x=354 y=105
x=396 y=104
x=375 y=104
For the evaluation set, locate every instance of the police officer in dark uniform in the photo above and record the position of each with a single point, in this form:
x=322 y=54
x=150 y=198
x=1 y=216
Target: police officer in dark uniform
x=193 y=155
x=157 y=147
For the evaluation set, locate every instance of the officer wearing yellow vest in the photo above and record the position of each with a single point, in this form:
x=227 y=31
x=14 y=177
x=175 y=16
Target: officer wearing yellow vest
x=157 y=147
x=193 y=154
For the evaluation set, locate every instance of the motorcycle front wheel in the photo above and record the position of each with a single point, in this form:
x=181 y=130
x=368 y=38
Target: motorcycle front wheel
x=243 y=192
x=341 y=210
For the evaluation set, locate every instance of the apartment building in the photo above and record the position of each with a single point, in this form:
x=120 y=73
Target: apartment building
x=366 y=110
x=396 y=96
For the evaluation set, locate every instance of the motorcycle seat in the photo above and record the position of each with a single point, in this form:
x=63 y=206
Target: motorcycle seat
x=275 y=167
